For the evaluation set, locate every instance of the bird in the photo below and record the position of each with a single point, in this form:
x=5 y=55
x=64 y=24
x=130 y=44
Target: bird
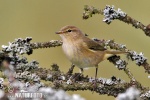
x=82 y=51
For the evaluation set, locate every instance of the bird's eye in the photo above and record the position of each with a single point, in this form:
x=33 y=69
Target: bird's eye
x=69 y=30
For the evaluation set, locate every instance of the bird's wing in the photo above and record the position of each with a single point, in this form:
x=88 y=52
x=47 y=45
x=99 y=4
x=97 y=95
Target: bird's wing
x=93 y=45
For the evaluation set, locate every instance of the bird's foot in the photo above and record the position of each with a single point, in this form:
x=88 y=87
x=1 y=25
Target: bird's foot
x=94 y=85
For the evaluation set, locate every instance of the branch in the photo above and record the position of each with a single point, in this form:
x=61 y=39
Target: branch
x=76 y=81
x=24 y=46
x=110 y=14
x=18 y=68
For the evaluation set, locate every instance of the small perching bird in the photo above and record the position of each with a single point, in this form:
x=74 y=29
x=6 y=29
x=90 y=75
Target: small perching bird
x=81 y=50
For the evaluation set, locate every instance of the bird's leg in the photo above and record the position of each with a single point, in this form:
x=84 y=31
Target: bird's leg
x=95 y=82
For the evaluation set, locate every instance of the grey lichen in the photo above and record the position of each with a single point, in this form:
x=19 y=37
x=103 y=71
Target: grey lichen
x=131 y=94
x=139 y=58
x=145 y=95
x=21 y=46
x=110 y=14
x=1 y=83
x=51 y=94
x=118 y=62
x=121 y=64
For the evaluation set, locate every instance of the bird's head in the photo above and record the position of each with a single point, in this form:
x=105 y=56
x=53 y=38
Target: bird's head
x=70 y=33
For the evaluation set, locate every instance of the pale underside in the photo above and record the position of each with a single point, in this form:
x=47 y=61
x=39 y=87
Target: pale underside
x=83 y=57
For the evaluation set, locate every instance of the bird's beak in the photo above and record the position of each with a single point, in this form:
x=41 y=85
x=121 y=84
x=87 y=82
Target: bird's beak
x=59 y=32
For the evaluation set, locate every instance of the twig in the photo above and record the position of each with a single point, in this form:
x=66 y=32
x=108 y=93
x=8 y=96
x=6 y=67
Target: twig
x=89 y=11
x=71 y=69
x=52 y=43
x=130 y=75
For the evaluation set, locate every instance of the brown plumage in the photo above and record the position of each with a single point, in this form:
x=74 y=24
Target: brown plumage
x=81 y=50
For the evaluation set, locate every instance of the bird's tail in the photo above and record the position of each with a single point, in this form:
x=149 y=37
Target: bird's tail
x=109 y=53
x=114 y=52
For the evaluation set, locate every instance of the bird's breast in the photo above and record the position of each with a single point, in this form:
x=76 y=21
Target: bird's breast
x=80 y=56
x=70 y=50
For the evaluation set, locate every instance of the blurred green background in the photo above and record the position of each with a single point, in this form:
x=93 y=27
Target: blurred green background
x=41 y=18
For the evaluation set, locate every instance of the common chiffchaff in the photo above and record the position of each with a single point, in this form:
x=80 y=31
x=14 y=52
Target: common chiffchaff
x=81 y=50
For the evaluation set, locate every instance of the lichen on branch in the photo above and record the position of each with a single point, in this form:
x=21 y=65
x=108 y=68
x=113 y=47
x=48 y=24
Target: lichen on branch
x=111 y=14
x=17 y=68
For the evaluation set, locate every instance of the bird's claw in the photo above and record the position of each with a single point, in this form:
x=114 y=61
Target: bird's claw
x=94 y=85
